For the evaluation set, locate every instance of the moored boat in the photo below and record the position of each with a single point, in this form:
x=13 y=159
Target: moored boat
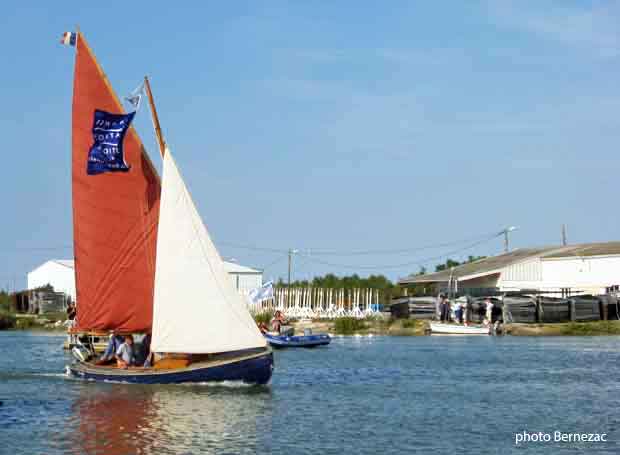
x=144 y=260
x=458 y=329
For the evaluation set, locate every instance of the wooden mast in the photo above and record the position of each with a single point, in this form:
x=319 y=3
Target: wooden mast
x=158 y=133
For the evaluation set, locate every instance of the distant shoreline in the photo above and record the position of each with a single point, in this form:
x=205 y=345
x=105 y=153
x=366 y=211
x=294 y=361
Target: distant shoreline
x=418 y=327
x=383 y=327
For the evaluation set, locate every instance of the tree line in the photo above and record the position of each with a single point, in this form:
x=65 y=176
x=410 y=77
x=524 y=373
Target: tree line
x=380 y=282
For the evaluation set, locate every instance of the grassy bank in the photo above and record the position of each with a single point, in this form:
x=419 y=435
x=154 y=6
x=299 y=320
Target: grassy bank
x=13 y=321
x=368 y=326
x=565 y=329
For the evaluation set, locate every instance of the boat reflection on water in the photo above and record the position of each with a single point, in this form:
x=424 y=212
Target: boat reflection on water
x=119 y=419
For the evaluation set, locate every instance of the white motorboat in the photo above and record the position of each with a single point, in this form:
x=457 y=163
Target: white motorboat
x=458 y=329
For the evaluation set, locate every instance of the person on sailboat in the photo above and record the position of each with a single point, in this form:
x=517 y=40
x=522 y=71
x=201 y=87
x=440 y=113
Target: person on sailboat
x=146 y=356
x=110 y=351
x=124 y=355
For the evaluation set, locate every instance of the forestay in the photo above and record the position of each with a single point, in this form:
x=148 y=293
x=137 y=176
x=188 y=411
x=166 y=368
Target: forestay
x=196 y=308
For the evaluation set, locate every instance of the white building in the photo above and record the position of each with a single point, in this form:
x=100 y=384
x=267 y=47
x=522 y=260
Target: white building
x=589 y=268
x=57 y=272
x=60 y=274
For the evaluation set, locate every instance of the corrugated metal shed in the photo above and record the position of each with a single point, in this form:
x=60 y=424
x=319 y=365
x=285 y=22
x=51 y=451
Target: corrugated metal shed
x=496 y=264
x=493 y=264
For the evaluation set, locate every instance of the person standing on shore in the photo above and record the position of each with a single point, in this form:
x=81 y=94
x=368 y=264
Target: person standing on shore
x=489 y=310
x=438 y=307
x=458 y=311
x=445 y=310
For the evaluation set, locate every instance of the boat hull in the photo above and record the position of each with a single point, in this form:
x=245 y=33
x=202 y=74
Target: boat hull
x=456 y=329
x=251 y=369
x=301 y=341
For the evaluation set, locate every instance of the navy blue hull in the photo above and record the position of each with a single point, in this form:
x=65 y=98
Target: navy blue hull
x=305 y=341
x=254 y=370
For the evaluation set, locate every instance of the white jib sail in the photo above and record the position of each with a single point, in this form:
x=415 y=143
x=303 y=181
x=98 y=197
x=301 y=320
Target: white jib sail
x=196 y=309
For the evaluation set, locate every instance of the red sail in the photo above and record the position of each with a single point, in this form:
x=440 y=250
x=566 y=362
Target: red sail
x=114 y=216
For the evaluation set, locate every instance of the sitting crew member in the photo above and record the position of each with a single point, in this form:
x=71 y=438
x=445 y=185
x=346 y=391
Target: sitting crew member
x=110 y=351
x=146 y=356
x=124 y=354
x=277 y=321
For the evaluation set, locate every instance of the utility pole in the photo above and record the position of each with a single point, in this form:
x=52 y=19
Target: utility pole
x=291 y=252
x=564 y=241
x=290 y=258
x=506 y=242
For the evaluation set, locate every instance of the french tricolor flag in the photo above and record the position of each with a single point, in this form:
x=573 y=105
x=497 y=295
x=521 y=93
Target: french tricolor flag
x=68 y=38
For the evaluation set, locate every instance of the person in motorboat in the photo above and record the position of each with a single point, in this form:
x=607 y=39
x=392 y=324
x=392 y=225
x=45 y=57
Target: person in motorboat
x=109 y=354
x=124 y=355
x=263 y=328
x=277 y=321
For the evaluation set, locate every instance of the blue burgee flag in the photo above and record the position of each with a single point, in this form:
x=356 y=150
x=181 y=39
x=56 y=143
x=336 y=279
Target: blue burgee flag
x=106 y=153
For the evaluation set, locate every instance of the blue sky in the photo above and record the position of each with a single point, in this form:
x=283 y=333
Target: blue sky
x=339 y=126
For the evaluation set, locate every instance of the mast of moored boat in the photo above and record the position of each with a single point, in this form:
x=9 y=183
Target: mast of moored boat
x=158 y=133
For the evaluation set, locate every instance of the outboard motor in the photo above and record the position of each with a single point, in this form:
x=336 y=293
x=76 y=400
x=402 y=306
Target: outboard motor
x=81 y=353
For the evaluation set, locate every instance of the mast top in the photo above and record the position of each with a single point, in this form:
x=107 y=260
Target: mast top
x=158 y=133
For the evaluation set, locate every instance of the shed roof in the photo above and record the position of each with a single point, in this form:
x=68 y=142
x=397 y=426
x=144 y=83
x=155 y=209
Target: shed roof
x=495 y=264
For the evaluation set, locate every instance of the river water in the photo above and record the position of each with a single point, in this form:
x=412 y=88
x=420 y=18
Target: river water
x=360 y=395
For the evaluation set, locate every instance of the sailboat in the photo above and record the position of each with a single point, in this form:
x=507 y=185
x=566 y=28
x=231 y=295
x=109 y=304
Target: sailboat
x=144 y=260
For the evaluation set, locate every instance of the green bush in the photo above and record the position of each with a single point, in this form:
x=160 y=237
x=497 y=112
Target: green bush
x=53 y=317
x=592 y=328
x=25 y=323
x=265 y=317
x=410 y=323
x=348 y=326
x=7 y=320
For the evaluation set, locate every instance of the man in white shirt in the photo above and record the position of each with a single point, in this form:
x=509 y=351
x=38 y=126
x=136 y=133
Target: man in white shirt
x=124 y=354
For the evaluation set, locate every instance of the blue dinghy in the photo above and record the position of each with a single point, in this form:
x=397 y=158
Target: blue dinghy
x=298 y=341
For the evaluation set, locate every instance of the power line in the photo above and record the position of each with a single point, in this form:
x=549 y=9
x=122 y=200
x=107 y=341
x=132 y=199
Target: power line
x=274 y=262
x=320 y=252
x=406 y=264
x=397 y=251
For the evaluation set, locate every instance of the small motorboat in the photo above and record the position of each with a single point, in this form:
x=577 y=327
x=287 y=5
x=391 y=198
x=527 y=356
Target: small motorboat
x=297 y=341
x=459 y=329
